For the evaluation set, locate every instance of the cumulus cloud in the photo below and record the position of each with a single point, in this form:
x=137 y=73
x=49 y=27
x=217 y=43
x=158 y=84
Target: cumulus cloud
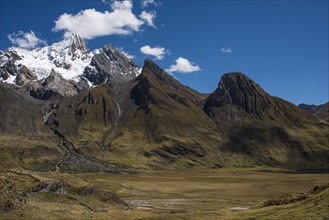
x=90 y=23
x=148 y=17
x=183 y=65
x=226 y=50
x=146 y=3
x=157 y=52
x=26 y=40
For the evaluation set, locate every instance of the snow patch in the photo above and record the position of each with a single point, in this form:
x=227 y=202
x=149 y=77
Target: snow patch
x=90 y=84
x=11 y=79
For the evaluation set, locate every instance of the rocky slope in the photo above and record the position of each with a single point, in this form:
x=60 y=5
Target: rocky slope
x=265 y=129
x=154 y=121
x=133 y=124
x=25 y=140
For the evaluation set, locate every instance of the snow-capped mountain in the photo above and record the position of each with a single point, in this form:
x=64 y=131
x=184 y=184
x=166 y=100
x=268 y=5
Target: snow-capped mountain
x=68 y=57
x=71 y=60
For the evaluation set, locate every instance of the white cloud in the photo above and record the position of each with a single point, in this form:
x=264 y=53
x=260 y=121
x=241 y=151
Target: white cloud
x=26 y=40
x=146 y=3
x=158 y=52
x=90 y=23
x=183 y=65
x=226 y=50
x=148 y=17
x=122 y=5
x=127 y=54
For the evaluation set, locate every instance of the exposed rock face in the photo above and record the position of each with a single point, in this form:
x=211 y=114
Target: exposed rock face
x=24 y=76
x=158 y=72
x=7 y=64
x=237 y=89
x=110 y=65
x=141 y=93
x=78 y=48
x=55 y=84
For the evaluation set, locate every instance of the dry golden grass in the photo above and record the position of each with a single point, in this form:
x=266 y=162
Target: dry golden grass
x=168 y=195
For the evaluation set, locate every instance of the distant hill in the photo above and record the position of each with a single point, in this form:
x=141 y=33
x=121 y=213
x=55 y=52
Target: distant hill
x=319 y=111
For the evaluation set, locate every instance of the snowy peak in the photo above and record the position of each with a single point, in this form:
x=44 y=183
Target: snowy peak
x=73 y=46
x=69 y=58
x=63 y=53
x=78 y=43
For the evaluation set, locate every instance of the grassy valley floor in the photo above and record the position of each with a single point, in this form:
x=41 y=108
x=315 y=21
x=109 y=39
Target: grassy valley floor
x=213 y=194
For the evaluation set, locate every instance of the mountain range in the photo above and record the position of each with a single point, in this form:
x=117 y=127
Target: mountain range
x=67 y=108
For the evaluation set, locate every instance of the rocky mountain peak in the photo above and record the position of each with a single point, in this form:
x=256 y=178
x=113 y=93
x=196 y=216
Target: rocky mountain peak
x=115 y=55
x=78 y=47
x=237 y=89
x=152 y=68
x=63 y=53
x=111 y=65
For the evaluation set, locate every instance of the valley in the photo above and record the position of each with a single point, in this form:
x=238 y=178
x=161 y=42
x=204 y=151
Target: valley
x=199 y=194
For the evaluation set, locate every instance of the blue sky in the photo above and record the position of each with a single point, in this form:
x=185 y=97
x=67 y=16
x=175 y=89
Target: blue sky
x=282 y=45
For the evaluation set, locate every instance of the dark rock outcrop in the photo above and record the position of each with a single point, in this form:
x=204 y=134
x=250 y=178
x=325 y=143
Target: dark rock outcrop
x=53 y=85
x=7 y=64
x=24 y=76
x=237 y=89
x=78 y=48
x=110 y=65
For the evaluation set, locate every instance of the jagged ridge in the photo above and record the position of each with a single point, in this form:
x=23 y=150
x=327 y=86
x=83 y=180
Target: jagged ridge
x=75 y=66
